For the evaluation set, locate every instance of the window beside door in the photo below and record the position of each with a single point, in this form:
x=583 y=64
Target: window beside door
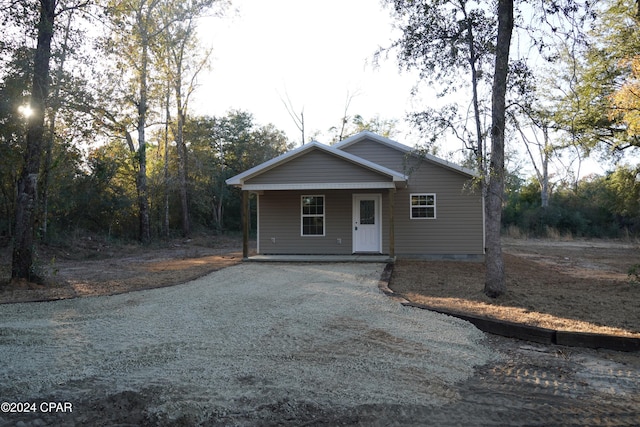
x=312 y=223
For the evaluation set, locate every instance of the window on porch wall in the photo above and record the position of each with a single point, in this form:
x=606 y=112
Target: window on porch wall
x=312 y=215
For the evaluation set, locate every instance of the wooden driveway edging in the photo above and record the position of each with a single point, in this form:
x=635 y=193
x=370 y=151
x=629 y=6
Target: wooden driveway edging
x=518 y=330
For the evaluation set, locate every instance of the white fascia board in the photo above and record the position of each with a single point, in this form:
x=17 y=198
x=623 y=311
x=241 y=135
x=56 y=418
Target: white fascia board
x=403 y=148
x=320 y=186
x=239 y=179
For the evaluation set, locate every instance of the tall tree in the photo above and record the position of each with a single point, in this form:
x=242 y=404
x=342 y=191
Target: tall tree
x=541 y=154
x=15 y=79
x=444 y=40
x=598 y=83
x=179 y=54
x=441 y=38
x=18 y=75
x=54 y=108
x=143 y=30
x=223 y=147
x=135 y=25
x=495 y=284
x=23 y=250
x=165 y=168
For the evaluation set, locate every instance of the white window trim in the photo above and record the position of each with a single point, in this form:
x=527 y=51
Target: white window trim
x=434 y=205
x=323 y=216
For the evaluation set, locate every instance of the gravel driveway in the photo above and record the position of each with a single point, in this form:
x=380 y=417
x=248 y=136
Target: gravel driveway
x=291 y=344
x=272 y=342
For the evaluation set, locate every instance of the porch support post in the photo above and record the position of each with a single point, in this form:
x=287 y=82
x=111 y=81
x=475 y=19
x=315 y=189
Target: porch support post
x=392 y=234
x=246 y=217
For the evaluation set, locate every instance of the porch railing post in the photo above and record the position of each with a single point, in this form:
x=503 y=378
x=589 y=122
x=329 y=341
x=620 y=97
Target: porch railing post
x=392 y=234
x=246 y=213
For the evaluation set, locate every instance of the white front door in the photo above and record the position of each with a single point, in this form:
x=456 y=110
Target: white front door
x=366 y=223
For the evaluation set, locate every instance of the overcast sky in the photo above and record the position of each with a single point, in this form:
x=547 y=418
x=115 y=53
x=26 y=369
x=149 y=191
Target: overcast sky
x=316 y=52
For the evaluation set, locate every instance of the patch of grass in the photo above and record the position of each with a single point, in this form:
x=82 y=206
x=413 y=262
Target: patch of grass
x=515 y=232
x=634 y=273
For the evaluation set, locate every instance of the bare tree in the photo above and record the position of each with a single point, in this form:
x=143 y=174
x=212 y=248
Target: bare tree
x=544 y=150
x=345 y=114
x=298 y=120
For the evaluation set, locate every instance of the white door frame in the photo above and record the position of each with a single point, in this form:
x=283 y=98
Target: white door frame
x=355 y=213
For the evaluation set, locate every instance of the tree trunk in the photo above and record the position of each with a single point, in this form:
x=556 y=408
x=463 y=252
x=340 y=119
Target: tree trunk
x=46 y=178
x=495 y=284
x=46 y=173
x=544 y=192
x=143 y=199
x=166 y=162
x=182 y=157
x=22 y=259
x=217 y=214
x=476 y=103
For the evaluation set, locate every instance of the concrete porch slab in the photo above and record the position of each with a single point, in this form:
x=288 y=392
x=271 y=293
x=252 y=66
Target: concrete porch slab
x=321 y=258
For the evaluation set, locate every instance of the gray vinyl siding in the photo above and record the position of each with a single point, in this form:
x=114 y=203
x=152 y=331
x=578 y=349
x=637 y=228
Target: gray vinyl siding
x=458 y=228
x=381 y=154
x=315 y=167
x=279 y=219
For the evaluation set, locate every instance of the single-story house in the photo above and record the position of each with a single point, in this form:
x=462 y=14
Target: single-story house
x=364 y=195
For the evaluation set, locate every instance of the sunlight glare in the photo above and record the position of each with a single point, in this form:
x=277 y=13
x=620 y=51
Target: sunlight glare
x=25 y=110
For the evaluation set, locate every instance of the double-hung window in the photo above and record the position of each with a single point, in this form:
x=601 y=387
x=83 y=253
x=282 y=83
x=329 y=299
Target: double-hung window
x=423 y=206
x=312 y=216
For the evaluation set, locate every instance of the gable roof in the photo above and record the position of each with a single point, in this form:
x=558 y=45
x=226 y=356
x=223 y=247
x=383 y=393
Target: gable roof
x=239 y=180
x=404 y=149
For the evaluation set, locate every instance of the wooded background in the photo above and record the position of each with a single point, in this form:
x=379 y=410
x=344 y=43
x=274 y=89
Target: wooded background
x=96 y=133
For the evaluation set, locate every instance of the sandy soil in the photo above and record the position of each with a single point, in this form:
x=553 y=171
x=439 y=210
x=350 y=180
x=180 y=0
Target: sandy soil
x=579 y=285
x=90 y=266
x=527 y=384
x=249 y=336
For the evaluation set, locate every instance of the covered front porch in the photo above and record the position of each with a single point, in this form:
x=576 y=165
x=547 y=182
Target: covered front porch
x=353 y=233
x=319 y=201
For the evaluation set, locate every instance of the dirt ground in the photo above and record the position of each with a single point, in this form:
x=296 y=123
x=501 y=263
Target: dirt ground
x=580 y=284
x=575 y=285
x=90 y=266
